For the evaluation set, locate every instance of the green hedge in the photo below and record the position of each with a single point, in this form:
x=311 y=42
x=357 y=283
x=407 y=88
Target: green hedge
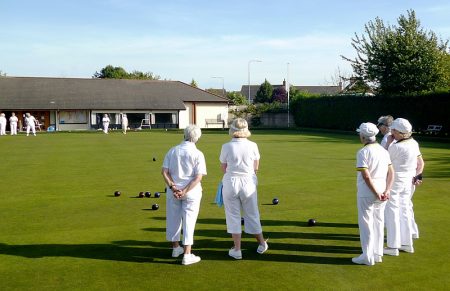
x=347 y=112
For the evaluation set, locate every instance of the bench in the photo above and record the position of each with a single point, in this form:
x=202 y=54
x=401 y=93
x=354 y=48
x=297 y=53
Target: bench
x=433 y=128
x=215 y=121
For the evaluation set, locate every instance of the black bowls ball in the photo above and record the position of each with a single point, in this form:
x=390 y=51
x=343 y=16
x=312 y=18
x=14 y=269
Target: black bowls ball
x=155 y=207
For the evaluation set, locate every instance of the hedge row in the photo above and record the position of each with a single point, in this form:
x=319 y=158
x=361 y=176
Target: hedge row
x=347 y=112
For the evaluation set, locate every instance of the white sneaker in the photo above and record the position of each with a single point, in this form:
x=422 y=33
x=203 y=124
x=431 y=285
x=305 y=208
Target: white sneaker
x=408 y=249
x=360 y=261
x=378 y=259
x=262 y=248
x=176 y=252
x=235 y=254
x=390 y=252
x=189 y=259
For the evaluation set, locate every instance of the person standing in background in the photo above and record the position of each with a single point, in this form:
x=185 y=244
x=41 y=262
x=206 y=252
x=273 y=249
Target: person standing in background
x=13 y=123
x=124 y=123
x=105 y=122
x=2 y=124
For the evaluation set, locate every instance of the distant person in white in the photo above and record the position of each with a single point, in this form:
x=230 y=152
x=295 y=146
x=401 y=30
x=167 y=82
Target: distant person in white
x=124 y=123
x=183 y=169
x=384 y=123
x=239 y=160
x=30 y=122
x=2 y=124
x=374 y=181
x=105 y=122
x=408 y=165
x=13 y=123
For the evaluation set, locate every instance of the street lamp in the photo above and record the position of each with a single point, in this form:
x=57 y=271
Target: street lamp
x=223 y=84
x=249 y=62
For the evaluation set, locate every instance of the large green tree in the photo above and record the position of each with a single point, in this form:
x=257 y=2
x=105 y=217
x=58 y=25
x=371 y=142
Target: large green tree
x=264 y=94
x=399 y=59
x=110 y=72
x=236 y=98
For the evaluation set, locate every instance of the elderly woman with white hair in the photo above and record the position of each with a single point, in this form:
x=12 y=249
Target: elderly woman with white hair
x=384 y=123
x=374 y=181
x=30 y=121
x=239 y=160
x=2 y=124
x=408 y=165
x=183 y=169
x=105 y=123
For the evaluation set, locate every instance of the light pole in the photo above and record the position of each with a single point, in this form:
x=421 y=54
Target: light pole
x=249 y=62
x=223 y=84
x=287 y=90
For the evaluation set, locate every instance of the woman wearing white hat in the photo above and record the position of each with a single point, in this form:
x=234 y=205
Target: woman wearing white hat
x=408 y=165
x=239 y=160
x=374 y=181
x=183 y=168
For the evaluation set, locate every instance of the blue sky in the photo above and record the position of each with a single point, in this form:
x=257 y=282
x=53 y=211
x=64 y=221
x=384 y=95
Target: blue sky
x=185 y=40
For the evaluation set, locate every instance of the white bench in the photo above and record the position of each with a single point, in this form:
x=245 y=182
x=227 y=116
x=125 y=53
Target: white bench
x=433 y=128
x=215 y=121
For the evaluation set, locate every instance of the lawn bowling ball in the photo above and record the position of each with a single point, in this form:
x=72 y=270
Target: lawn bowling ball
x=154 y=159
x=157 y=195
x=311 y=222
x=141 y=195
x=275 y=201
x=117 y=193
x=155 y=207
x=148 y=194
x=242 y=220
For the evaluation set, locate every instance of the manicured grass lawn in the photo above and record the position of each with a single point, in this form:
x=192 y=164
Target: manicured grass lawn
x=61 y=228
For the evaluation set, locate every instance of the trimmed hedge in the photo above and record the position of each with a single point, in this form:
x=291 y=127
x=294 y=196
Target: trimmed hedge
x=347 y=112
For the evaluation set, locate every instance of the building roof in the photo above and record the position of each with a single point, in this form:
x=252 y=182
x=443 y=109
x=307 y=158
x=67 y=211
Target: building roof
x=322 y=90
x=113 y=94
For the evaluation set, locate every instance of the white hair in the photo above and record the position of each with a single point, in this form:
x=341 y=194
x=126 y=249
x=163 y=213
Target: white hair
x=192 y=133
x=369 y=138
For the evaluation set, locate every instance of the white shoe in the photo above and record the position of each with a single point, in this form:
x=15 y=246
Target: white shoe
x=415 y=236
x=360 y=261
x=378 y=259
x=390 y=252
x=189 y=259
x=176 y=252
x=235 y=254
x=262 y=248
x=408 y=249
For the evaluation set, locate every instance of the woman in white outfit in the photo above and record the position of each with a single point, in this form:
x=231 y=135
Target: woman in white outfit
x=2 y=124
x=105 y=122
x=30 y=121
x=374 y=181
x=239 y=160
x=13 y=123
x=183 y=168
x=124 y=123
x=384 y=123
x=408 y=165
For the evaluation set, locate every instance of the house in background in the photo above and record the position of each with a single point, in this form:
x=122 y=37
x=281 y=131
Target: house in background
x=79 y=104
x=322 y=90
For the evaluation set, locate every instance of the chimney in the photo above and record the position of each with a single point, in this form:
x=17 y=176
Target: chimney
x=284 y=83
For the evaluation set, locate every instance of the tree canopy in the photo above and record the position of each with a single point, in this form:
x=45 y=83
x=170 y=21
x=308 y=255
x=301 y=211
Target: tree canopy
x=110 y=72
x=400 y=59
x=236 y=98
x=264 y=94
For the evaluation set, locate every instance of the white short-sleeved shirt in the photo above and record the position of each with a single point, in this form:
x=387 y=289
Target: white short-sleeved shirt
x=404 y=154
x=105 y=119
x=376 y=160
x=184 y=162
x=2 y=120
x=385 y=139
x=13 y=119
x=239 y=154
x=30 y=120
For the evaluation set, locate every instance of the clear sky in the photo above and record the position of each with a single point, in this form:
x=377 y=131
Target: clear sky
x=184 y=40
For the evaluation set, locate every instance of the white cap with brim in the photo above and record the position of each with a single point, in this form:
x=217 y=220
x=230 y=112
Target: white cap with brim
x=368 y=129
x=402 y=125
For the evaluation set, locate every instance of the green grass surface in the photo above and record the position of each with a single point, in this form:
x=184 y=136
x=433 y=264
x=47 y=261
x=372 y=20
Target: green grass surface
x=61 y=228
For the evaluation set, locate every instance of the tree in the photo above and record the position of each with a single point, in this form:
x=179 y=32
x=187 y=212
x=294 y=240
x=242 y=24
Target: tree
x=399 y=59
x=110 y=72
x=237 y=98
x=279 y=95
x=194 y=83
x=264 y=94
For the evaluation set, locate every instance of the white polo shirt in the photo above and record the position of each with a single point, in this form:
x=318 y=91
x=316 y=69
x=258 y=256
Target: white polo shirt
x=385 y=139
x=376 y=160
x=184 y=162
x=239 y=154
x=404 y=154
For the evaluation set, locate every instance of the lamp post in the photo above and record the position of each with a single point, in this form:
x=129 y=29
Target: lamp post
x=223 y=84
x=249 y=62
x=287 y=90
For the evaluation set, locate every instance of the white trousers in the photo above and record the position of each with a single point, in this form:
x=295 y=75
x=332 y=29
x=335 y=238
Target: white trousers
x=105 y=127
x=2 y=129
x=239 y=192
x=13 y=126
x=32 y=128
x=415 y=228
x=371 y=227
x=182 y=214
